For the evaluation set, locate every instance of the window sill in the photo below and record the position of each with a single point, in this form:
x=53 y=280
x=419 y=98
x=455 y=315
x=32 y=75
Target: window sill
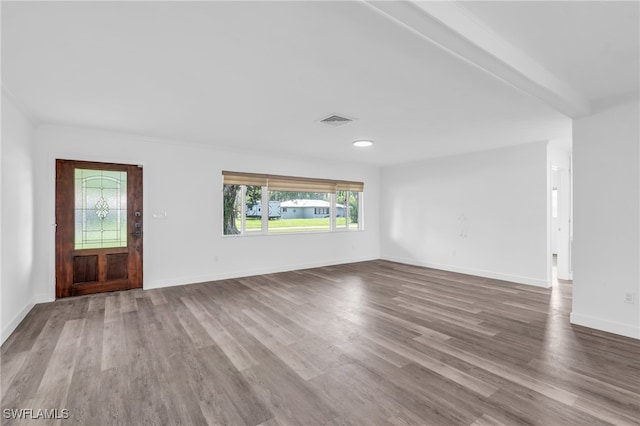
x=260 y=234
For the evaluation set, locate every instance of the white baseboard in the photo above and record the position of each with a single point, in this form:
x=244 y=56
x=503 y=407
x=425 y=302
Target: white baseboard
x=537 y=282
x=9 y=328
x=627 y=330
x=248 y=272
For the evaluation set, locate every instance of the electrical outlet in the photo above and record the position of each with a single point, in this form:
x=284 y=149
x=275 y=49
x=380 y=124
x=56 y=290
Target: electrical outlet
x=629 y=298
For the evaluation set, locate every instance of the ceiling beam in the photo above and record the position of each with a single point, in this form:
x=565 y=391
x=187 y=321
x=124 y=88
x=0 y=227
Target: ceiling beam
x=453 y=28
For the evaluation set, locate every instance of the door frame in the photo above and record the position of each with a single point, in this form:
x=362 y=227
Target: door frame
x=50 y=228
x=561 y=161
x=565 y=206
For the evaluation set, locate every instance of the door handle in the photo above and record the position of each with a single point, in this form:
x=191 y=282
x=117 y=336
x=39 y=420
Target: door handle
x=137 y=233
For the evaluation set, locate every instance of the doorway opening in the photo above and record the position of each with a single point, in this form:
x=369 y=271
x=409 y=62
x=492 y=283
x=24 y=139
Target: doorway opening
x=561 y=223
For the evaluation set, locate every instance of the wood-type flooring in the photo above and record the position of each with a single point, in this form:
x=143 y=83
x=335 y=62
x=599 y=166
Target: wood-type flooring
x=370 y=343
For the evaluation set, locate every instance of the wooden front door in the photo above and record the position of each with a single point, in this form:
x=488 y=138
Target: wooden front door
x=98 y=227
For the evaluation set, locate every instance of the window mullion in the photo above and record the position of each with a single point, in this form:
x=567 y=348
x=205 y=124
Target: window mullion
x=360 y=210
x=332 y=212
x=243 y=209
x=347 y=213
x=265 y=210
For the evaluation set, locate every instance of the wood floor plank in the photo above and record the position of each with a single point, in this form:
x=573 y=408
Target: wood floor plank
x=605 y=413
x=236 y=352
x=127 y=301
x=54 y=386
x=170 y=366
x=276 y=331
x=618 y=398
x=10 y=367
x=487 y=420
x=352 y=398
x=25 y=384
x=457 y=376
x=506 y=372
x=373 y=343
x=407 y=324
x=97 y=302
x=114 y=349
x=286 y=395
x=85 y=384
x=197 y=333
x=112 y=309
x=298 y=364
x=26 y=334
x=226 y=397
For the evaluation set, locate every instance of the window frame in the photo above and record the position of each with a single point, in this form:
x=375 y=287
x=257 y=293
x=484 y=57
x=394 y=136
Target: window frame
x=282 y=181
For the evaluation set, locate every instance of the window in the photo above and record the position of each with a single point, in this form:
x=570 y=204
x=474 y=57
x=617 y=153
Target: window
x=300 y=211
x=239 y=217
x=347 y=210
x=268 y=204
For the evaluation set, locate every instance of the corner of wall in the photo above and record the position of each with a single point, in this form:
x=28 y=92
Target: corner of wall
x=483 y=213
x=606 y=192
x=17 y=246
x=518 y=279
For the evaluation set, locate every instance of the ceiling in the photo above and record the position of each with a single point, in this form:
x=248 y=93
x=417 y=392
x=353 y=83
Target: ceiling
x=258 y=76
x=592 y=44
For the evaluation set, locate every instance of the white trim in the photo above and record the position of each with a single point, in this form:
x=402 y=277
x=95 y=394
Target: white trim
x=243 y=209
x=271 y=234
x=333 y=212
x=519 y=279
x=347 y=210
x=549 y=218
x=361 y=211
x=608 y=326
x=252 y=272
x=9 y=328
x=264 y=215
x=264 y=201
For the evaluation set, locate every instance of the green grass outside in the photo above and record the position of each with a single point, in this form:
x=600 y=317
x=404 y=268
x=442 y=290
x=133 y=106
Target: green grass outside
x=254 y=224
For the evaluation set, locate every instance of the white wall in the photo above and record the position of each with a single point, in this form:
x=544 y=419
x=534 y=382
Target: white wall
x=483 y=213
x=184 y=180
x=606 y=247
x=17 y=293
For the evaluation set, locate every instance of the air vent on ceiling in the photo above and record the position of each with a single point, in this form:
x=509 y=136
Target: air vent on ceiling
x=336 y=120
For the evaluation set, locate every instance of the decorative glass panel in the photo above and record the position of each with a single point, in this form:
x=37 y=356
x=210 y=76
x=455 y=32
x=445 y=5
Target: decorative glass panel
x=101 y=209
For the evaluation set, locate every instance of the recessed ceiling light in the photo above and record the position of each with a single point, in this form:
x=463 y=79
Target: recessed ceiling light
x=362 y=144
